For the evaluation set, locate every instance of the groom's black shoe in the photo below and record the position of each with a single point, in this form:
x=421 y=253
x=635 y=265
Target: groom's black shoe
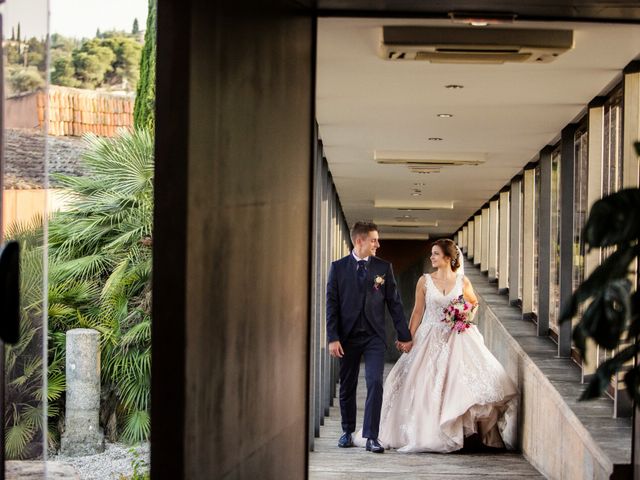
x=374 y=446
x=345 y=441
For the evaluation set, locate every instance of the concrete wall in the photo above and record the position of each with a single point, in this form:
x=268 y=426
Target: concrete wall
x=21 y=111
x=232 y=240
x=549 y=435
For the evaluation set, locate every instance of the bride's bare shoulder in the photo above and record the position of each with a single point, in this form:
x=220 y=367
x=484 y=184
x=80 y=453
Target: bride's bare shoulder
x=466 y=281
x=422 y=280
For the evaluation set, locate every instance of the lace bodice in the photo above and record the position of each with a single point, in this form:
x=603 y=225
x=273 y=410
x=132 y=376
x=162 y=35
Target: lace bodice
x=436 y=301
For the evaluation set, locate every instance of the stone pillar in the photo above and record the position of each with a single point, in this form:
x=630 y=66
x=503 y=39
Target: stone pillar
x=82 y=433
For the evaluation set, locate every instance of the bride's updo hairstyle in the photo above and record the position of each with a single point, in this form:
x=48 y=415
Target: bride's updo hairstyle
x=450 y=250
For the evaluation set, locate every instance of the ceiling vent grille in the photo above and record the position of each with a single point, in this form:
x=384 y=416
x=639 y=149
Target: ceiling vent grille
x=419 y=163
x=473 y=45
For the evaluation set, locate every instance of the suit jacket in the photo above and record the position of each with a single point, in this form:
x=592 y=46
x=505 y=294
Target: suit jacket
x=344 y=299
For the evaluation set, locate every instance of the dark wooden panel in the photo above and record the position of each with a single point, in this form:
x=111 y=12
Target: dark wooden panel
x=231 y=299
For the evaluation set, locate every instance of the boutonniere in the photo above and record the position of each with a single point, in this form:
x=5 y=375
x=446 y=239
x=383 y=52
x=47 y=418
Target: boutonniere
x=378 y=281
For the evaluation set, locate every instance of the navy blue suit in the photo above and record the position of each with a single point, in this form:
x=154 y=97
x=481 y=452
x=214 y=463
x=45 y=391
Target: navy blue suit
x=355 y=317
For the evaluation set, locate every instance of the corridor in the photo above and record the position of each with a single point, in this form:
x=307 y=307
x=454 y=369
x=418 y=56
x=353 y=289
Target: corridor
x=328 y=462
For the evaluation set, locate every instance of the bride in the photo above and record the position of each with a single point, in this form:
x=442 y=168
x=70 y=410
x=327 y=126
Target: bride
x=449 y=385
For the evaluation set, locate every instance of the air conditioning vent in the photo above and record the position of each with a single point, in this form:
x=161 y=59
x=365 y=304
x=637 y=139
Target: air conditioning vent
x=423 y=163
x=472 y=45
x=404 y=224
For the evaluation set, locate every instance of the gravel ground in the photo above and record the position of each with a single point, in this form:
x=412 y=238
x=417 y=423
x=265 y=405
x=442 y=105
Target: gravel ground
x=114 y=462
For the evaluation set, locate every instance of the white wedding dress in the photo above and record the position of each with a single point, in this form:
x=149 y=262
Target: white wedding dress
x=447 y=387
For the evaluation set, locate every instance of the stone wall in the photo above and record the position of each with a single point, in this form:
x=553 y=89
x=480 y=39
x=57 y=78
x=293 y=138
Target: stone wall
x=549 y=435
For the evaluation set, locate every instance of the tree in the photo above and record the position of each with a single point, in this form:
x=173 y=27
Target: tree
x=13 y=34
x=92 y=62
x=135 y=29
x=63 y=73
x=18 y=34
x=125 y=69
x=13 y=53
x=98 y=33
x=144 y=108
x=25 y=80
x=36 y=54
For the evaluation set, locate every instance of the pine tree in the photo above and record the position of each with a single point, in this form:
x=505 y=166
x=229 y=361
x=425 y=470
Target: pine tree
x=136 y=28
x=98 y=33
x=13 y=34
x=144 y=108
x=18 y=35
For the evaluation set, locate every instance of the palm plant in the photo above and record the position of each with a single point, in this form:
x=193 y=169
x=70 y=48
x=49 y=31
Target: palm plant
x=24 y=366
x=100 y=271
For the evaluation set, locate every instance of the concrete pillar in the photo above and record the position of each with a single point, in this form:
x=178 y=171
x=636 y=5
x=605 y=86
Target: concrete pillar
x=594 y=193
x=471 y=239
x=503 y=249
x=465 y=233
x=515 y=239
x=82 y=433
x=484 y=248
x=492 y=260
x=528 y=240
x=631 y=124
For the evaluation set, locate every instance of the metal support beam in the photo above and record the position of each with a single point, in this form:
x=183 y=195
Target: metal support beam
x=544 y=239
x=465 y=236
x=567 y=218
x=477 y=242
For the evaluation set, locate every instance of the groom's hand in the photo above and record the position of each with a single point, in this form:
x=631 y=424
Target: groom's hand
x=404 y=346
x=335 y=349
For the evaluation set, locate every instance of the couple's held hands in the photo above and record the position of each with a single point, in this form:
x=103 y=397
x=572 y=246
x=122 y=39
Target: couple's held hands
x=335 y=349
x=404 y=347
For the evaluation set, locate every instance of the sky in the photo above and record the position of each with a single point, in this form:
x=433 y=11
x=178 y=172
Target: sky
x=72 y=18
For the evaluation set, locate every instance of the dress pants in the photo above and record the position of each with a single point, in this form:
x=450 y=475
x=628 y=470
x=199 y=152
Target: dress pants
x=372 y=348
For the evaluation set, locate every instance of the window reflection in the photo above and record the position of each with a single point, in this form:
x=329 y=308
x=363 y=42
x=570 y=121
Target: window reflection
x=554 y=270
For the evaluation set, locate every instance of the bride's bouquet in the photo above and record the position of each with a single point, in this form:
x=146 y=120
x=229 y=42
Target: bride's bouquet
x=459 y=314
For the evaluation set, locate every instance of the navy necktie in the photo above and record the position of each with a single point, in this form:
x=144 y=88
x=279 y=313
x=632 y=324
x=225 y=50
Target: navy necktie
x=362 y=272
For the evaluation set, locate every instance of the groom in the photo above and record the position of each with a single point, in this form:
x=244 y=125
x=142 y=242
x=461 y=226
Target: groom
x=358 y=288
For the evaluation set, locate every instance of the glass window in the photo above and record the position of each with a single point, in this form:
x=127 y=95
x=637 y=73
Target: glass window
x=554 y=270
x=611 y=165
x=536 y=237
x=612 y=161
x=581 y=172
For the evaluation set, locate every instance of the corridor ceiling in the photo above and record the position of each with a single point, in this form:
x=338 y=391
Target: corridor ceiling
x=368 y=107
